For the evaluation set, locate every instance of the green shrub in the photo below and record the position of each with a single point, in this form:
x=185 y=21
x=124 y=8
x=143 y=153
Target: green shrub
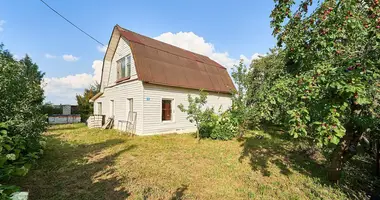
x=7 y=190
x=225 y=127
x=209 y=124
x=15 y=156
x=21 y=118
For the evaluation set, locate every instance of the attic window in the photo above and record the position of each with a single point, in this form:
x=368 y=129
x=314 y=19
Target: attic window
x=124 y=67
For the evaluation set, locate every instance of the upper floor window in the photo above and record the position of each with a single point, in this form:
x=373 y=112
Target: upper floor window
x=124 y=67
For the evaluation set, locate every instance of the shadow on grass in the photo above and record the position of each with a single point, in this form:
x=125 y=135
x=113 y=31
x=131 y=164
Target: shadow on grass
x=358 y=176
x=179 y=193
x=68 y=171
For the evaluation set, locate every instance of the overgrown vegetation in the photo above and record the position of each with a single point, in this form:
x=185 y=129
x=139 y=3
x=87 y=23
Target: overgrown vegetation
x=85 y=107
x=209 y=124
x=21 y=117
x=332 y=72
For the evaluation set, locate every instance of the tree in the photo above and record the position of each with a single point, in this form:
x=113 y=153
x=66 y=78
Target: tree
x=85 y=108
x=22 y=95
x=332 y=75
x=262 y=77
x=239 y=110
x=197 y=113
x=21 y=118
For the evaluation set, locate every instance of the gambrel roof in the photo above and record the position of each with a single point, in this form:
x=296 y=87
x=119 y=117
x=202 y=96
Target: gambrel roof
x=164 y=64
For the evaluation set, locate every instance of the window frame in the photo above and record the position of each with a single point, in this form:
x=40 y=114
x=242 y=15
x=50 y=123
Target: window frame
x=124 y=64
x=128 y=65
x=119 y=68
x=172 y=109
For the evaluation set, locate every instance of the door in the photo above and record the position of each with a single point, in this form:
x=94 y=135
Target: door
x=112 y=108
x=130 y=110
x=99 y=108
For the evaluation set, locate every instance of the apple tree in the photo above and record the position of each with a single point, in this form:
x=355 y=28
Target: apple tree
x=332 y=63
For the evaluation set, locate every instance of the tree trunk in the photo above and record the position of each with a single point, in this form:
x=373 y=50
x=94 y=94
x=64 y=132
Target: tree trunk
x=343 y=152
x=241 y=130
x=197 y=133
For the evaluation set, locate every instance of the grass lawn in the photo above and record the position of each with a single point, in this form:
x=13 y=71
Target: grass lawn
x=82 y=163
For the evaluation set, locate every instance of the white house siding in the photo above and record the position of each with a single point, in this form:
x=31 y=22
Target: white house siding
x=105 y=74
x=153 y=95
x=120 y=94
x=123 y=49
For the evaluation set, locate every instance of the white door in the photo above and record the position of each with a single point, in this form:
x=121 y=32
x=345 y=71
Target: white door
x=99 y=108
x=129 y=109
x=112 y=108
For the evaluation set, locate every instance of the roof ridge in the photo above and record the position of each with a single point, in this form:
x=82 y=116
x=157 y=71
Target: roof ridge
x=124 y=29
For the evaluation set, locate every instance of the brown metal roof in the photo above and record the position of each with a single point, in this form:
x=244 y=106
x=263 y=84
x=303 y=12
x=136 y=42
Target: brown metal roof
x=163 y=64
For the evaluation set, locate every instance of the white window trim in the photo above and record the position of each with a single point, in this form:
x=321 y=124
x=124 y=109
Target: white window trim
x=125 y=58
x=130 y=65
x=172 y=108
x=118 y=73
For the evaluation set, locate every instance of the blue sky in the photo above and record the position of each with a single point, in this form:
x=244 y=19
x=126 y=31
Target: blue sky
x=222 y=30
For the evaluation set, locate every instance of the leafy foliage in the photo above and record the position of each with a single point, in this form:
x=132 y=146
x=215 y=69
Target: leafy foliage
x=196 y=113
x=239 y=111
x=253 y=104
x=7 y=190
x=50 y=109
x=85 y=108
x=225 y=128
x=332 y=65
x=21 y=117
x=208 y=123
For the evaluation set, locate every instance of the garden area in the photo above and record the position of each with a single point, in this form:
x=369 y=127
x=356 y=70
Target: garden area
x=304 y=124
x=82 y=163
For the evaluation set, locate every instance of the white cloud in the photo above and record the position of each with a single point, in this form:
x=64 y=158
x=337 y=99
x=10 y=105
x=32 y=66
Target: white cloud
x=70 y=58
x=97 y=66
x=17 y=57
x=247 y=61
x=2 y=22
x=102 y=49
x=192 y=42
x=62 y=90
x=49 y=56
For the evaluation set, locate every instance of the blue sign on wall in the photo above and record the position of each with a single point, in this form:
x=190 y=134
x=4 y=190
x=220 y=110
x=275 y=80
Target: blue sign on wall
x=148 y=98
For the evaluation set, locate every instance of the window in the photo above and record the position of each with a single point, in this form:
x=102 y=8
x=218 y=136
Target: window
x=99 y=108
x=124 y=67
x=128 y=74
x=166 y=110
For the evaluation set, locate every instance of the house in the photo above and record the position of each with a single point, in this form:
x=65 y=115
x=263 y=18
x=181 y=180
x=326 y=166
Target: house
x=144 y=80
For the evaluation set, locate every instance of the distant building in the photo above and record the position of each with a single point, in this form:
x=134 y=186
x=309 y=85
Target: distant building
x=67 y=116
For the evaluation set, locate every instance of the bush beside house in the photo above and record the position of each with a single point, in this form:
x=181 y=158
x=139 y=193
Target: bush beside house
x=21 y=118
